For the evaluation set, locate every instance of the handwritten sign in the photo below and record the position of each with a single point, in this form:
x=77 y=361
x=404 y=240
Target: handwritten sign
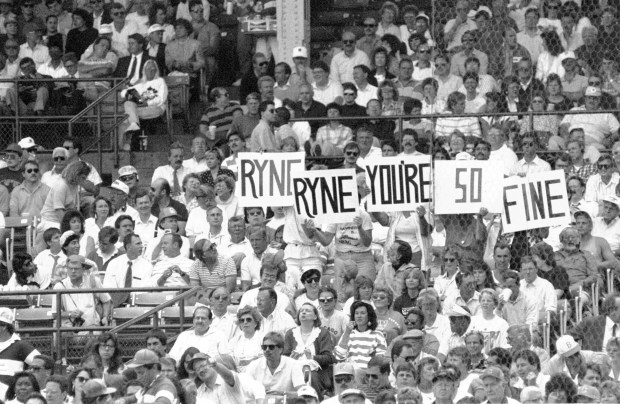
x=539 y=200
x=265 y=178
x=398 y=183
x=467 y=186
x=326 y=196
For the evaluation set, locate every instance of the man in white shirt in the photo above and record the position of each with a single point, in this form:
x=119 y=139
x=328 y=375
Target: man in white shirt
x=364 y=141
x=223 y=320
x=537 y=289
x=409 y=140
x=604 y=182
x=252 y=263
x=499 y=149
x=607 y=226
x=325 y=89
x=128 y=270
x=145 y=222
x=119 y=192
x=140 y=16
x=54 y=68
x=456 y=27
x=48 y=260
x=198 y=162
x=365 y=91
x=343 y=62
x=530 y=38
x=530 y=163
x=34 y=49
x=174 y=171
x=173 y=269
x=269 y=278
x=274 y=319
x=121 y=29
x=206 y=339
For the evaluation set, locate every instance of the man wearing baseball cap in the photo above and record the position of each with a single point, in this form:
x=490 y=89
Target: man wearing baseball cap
x=119 y=194
x=599 y=128
x=129 y=176
x=156 y=48
x=219 y=384
x=352 y=396
x=445 y=385
x=301 y=72
x=11 y=175
x=607 y=225
x=13 y=351
x=569 y=356
x=344 y=379
x=158 y=388
x=494 y=385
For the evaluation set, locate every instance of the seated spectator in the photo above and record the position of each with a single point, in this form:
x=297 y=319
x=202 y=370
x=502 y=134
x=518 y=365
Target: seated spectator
x=147 y=99
x=107 y=238
x=27 y=199
x=500 y=150
x=468 y=125
x=284 y=87
x=80 y=309
x=173 y=269
x=580 y=265
x=325 y=89
x=220 y=114
x=573 y=84
x=391 y=103
x=226 y=200
x=132 y=66
x=289 y=379
x=162 y=199
x=448 y=83
x=31 y=96
x=423 y=67
x=414 y=107
x=549 y=61
x=263 y=138
x=210 y=269
x=365 y=90
x=158 y=15
x=350 y=107
x=380 y=73
x=406 y=85
x=191 y=184
x=211 y=341
x=168 y=222
x=474 y=102
x=101 y=62
x=361 y=340
x=334 y=133
x=214 y=169
x=82 y=34
x=529 y=37
x=33 y=48
x=486 y=82
x=155 y=47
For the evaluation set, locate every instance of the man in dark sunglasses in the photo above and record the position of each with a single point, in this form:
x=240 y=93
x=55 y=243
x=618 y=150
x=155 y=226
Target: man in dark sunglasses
x=370 y=41
x=288 y=378
x=343 y=62
x=29 y=196
x=249 y=82
x=458 y=60
x=530 y=163
x=11 y=175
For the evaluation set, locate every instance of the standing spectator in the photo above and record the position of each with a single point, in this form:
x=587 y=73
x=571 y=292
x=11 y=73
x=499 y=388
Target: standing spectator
x=578 y=165
x=528 y=83
x=370 y=41
x=249 y=82
x=506 y=60
x=530 y=163
x=343 y=62
x=183 y=53
x=536 y=288
x=122 y=29
x=607 y=225
x=161 y=194
x=64 y=195
x=263 y=138
x=27 y=19
x=365 y=91
x=28 y=197
x=82 y=34
x=308 y=107
x=500 y=150
x=573 y=84
x=549 y=61
x=334 y=133
x=11 y=175
x=351 y=107
x=455 y=28
x=156 y=48
x=245 y=124
x=174 y=172
x=468 y=125
x=530 y=37
x=197 y=163
x=208 y=35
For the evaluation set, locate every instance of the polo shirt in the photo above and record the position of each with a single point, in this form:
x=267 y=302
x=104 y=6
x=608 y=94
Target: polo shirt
x=13 y=354
x=608 y=231
x=341 y=69
x=328 y=93
x=288 y=376
x=224 y=267
x=540 y=291
x=213 y=343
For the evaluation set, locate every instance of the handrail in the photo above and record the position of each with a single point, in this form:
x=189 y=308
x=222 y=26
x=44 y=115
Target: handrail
x=96 y=102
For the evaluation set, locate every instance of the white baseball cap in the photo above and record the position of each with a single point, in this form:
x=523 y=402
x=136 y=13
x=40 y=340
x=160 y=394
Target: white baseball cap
x=300 y=52
x=7 y=316
x=121 y=186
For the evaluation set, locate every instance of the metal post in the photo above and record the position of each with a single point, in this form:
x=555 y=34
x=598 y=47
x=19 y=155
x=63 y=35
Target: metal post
x=116 y=135
x=58 y=326
x=181 y=314
x=18 y=130
x=99 y=138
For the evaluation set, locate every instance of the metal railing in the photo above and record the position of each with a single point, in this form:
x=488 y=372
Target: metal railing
x=58 y=329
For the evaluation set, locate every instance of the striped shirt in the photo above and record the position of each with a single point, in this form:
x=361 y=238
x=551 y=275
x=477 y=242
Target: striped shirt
x=362 y=346
x=224 y=267
x=222 y=118
x=13 y=354
x=468 y=125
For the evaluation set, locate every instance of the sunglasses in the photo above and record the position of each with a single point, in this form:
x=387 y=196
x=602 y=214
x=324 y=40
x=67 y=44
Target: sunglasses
x=449 y=259
x=604 y=166
x=118 y=13
x=326 y=300
x=410 y=358
x=126 y=178
x=32 y=170
x=261 y=64
x=372 y=376
x=370 y=25
x=354 y=154
x=538 y=102
x=350 y=94
x=246 y=320
x=82 y=379
x=348 y=42
x=269 y=347
x=314 y=279
x=219 y=298
x=342 y=379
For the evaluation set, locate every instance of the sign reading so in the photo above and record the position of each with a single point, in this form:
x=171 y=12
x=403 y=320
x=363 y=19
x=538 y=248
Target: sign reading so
x=265 y=178
x=326 y=196
x=398 y=183
x=466 y=186
x=539 y=200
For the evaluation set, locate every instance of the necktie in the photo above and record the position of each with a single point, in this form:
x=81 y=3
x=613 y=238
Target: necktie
x=176 y=187
x=132 y=69
x=614 y=329
x=54 y=266
x=123 y=297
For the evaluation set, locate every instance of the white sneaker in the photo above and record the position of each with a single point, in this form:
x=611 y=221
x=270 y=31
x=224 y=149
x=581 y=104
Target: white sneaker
x=237 y=83
x=133 y=126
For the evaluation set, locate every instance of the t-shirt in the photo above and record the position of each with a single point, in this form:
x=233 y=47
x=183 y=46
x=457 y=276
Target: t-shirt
x=404 y=304
x=346 y=235
x=59 y=197
x=10 y=179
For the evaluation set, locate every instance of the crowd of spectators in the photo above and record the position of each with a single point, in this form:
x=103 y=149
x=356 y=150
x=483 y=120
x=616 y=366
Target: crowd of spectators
x=383 y=309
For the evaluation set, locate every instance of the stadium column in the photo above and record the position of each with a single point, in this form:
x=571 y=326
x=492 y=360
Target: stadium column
x=293 y=28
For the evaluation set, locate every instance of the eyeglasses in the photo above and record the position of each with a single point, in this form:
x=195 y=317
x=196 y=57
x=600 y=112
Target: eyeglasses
x=126 y=178
x=32 y=170
x=348 y=41
x=255 y=213
x=449 y=259
x=219 y=298
x=269 y=347
x=604 y=166
x=343 y=379
x=82 y=379
x=538 y=102
x=354 y=154
x=261 y=64
x=410 y=358
x=106 y=346
x=326 y=300
x=409 y=322
x=594 y=83
x=527 y=144
x=372 y=376
x=246 y=320
x=379 y=297
x=118 y=13
x=314 y=279
x=349 y=94
x=370 y=25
